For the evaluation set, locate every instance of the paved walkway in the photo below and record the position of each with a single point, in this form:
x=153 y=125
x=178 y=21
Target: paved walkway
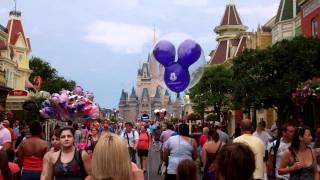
x=153 y=165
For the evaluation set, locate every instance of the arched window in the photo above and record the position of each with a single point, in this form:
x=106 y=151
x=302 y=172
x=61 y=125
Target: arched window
x=314 y=27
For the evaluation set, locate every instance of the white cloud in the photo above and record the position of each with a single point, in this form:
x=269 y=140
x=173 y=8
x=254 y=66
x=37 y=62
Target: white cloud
x=121 y=37
x=126 y=4
x=191 y=3
x=215 y=10
x=259 y=11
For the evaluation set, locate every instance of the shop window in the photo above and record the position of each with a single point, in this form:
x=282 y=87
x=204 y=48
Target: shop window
x=314 y=27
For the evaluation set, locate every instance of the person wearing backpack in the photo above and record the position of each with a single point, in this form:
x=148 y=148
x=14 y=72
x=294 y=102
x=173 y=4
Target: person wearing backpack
x=143 y=147
x=131 y=137
x=279 y=147
x=209 y=153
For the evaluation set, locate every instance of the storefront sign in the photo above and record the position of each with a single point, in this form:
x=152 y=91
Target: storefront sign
x=18 y=93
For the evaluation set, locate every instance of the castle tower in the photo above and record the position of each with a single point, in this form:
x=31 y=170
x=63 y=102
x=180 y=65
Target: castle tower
x=123 y=106
x=229 y=36
x=144 y=79
x=157 y=99
x=176 y=107
x=133 y=105
x=145 y=103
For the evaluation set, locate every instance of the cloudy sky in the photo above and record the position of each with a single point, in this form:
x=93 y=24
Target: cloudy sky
x=99 y=43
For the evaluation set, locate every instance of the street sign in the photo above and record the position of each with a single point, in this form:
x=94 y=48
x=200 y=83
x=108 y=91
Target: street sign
x=18 y=93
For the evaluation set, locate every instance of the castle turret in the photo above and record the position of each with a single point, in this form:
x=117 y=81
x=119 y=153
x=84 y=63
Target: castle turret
x=133 y=95
x=229 y=36
x=123 y=98
x=133 y=105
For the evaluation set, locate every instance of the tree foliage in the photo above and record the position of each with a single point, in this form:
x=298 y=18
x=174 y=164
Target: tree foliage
x=213 y=90
x=52 y=82
x=266 y=78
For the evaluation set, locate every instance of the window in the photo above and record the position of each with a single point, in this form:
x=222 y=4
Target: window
x=20 y=57
x=314 y=27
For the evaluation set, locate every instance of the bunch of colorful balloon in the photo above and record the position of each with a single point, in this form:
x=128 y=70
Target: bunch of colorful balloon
x=67 y=105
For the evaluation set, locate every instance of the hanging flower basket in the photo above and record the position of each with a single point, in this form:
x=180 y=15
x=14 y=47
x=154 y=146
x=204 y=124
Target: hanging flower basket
x=307 y=92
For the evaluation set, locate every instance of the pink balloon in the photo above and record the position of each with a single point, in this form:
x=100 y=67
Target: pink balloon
x=64 y=97
x=87 y=109
x=78 y=90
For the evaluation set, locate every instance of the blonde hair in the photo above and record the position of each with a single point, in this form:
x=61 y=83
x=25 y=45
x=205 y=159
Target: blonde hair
x=111 y=159
x=205 y=130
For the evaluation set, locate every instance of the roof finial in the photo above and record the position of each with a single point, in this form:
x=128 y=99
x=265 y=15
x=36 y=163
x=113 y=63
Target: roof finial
x=231 y=2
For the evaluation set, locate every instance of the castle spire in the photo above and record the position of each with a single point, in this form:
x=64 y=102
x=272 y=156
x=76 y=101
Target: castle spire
x=154 y=36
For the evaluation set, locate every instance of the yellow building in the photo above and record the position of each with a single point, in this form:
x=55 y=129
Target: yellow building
x=14 y=60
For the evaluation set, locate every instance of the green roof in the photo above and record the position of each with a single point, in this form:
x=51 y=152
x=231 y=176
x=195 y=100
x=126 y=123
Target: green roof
x=285 y=11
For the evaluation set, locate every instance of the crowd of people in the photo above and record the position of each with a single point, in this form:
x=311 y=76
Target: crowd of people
x=102 y=150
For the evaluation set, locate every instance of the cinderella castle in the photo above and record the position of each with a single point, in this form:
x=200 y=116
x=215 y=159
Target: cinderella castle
x=148 y=95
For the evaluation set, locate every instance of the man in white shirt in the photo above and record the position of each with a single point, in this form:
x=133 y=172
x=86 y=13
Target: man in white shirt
x=5 y=137
x=262 y=134
x=280 y=148
x=255 y=144
x=131 y=137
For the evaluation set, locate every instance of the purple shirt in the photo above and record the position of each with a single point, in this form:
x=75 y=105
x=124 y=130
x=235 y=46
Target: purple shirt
x=165 y=135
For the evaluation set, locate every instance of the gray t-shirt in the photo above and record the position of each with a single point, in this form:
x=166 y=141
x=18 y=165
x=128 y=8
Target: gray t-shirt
x=179 y=149
x=223 y=137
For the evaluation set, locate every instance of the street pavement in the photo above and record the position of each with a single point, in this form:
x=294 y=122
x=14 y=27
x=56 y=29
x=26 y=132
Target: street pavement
x=153 y=164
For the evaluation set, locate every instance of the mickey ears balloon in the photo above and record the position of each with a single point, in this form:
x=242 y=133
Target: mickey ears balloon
x=188 y=53
x=177 y=70
x=164 y=52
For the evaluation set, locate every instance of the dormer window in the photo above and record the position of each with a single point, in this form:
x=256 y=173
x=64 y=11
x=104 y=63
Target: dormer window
x=20 y=57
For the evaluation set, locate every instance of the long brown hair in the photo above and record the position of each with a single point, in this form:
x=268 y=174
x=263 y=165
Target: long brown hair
x=235 y=161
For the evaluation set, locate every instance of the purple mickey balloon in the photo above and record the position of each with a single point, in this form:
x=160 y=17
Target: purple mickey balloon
x=164 y=52
x=71 y=109
x=176 y=77
x=49 y=111
x=46 y=103
x=188 y=53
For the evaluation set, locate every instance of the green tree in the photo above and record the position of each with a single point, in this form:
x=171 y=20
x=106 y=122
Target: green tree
x=213 y=90
x=52 y=82
x=266 y=78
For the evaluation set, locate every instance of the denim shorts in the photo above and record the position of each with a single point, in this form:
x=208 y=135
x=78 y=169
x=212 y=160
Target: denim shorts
x=30 y=175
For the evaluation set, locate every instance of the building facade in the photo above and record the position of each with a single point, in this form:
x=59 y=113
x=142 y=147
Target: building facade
x=148 y=95
x=14 y=60
x=310 y=18
x=287 y=21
